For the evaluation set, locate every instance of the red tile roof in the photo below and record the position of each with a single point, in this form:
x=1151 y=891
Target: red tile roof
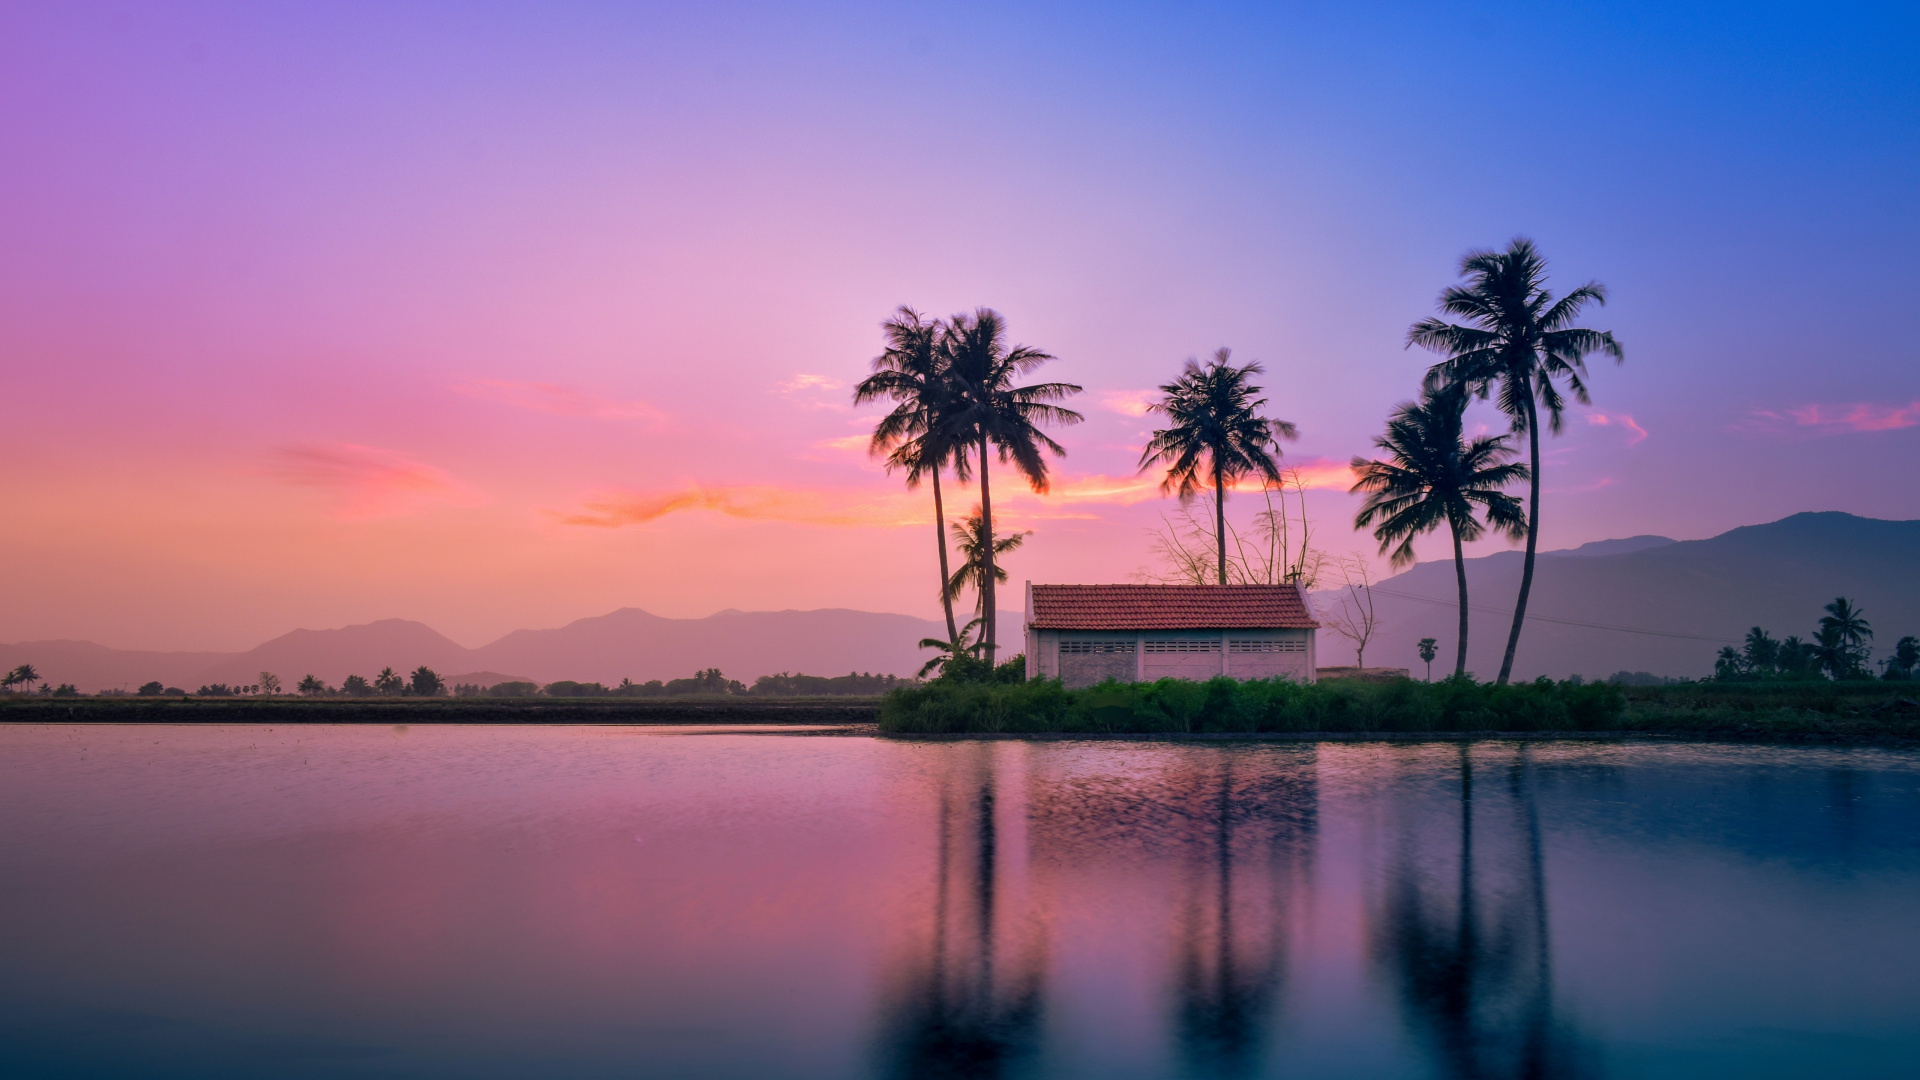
x=1169 y=607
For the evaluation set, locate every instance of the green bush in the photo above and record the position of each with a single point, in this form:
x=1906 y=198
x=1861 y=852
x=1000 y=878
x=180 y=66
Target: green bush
x=1224 y=705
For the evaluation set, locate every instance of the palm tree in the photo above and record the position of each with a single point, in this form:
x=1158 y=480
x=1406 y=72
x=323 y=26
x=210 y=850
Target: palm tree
x=1830 y=651
x=912 y=373
x=24 y=675
x=1428 y=649
x=1760 y=654
x=1795 y=656
x=1433 y=476
x=1906 y=656
x=1727 y=664
x=1518 y=336
x=1216 y=417
x=971 y=537
x=952 y=651
x=1842 y=634
x=988 y=411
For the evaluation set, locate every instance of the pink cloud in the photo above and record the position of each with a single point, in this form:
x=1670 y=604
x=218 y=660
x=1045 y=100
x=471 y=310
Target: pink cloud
x=1127 y=402
x=366 y=481
x=846 y=443
x=749 y=502
x=1315 y=473
x=1595 y=485
x=806 y=391
x=804 y=381
x=1323 y=473
x=1067 y=497
x=1836 y=419
x=1635 y=433
x=560 y=400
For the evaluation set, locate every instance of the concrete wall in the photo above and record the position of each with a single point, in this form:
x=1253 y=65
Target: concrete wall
x=1083 y=658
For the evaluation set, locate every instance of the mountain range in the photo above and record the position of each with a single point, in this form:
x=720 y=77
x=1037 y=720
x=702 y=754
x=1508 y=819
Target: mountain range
x=1648 y=603
x=1642 y=603
x=624 y=644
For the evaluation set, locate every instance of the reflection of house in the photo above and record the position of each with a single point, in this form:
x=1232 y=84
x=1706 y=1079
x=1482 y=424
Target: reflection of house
x=1082 y=634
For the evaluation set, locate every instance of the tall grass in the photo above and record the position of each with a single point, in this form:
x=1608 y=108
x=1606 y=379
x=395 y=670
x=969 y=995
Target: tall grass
x=1224 y=705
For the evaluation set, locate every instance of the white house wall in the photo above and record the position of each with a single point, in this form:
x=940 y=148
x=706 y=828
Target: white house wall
x=1085 y=657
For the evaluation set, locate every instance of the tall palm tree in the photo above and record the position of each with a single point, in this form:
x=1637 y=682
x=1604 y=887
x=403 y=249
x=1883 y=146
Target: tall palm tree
x=971 y=537
x=1517 y=336
x=989 y=413
x=1218 y=436
x=1432 y=476
x=1843 y=634
x=912 y=373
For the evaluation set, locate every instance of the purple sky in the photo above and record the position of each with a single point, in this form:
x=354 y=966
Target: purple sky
x=315 y=314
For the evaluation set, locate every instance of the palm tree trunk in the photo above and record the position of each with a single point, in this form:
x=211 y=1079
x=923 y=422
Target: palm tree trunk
x=1460 y=574
x=1533 y=536
x=989 y=612
x=940 y=534
x=1220 y=521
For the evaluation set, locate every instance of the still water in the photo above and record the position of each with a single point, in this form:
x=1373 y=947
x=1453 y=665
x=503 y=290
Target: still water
x=587 y=902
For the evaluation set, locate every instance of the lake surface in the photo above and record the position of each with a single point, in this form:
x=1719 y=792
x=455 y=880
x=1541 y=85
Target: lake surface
x=588 y=902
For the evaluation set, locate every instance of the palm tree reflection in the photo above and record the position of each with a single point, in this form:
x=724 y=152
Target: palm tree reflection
x=951 y=1012
x=1252 y=854
x=1474 y=973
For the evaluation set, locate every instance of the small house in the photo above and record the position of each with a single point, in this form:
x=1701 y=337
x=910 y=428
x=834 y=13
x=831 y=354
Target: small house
x=1082 y=634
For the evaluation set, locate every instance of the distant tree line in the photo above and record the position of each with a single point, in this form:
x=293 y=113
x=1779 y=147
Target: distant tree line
x=424 y=682
x=1838 y=650
x=708 y=682
x=21 y=679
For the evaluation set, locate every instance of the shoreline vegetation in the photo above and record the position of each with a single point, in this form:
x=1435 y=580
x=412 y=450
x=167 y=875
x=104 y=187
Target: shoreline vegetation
x=839 y=710
x=1222 y=706
x=1398 y=709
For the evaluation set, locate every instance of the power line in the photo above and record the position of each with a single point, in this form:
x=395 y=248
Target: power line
x=1550 y=619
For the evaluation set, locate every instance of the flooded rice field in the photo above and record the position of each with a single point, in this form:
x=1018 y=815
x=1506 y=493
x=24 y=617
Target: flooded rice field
x=605 y=901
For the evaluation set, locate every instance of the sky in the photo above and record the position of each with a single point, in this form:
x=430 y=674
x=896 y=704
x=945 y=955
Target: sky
x=498 y=316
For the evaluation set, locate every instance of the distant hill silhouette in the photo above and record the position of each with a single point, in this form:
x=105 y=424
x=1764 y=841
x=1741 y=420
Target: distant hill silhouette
x=631 y=643
x=1685 y=598
x=1776 y=576
x=484 y=678
x=93 y=668
x=350 y=650
x=625 y=644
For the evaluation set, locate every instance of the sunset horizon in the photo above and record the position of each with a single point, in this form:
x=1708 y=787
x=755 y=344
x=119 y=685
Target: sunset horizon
x=318 y=318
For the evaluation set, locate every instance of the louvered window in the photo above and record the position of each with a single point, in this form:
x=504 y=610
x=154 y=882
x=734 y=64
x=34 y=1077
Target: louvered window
x=1185 y=645
x=1269 y=646
x=1082 y=648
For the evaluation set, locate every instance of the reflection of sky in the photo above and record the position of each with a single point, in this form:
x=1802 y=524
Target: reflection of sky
x=489 y=901
x=317 y=315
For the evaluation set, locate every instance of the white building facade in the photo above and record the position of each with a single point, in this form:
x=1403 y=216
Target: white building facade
x=1083 y=634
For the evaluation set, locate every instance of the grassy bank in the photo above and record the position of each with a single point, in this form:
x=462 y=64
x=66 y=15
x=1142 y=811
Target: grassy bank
x=1749 y=710
x=711 y=710
x=1224 y=706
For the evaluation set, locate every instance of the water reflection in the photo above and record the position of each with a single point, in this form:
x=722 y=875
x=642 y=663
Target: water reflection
x=1255 y=851
x=1204 y=856
x=503 y=903
x=952 y=1009
x=1467 y=947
